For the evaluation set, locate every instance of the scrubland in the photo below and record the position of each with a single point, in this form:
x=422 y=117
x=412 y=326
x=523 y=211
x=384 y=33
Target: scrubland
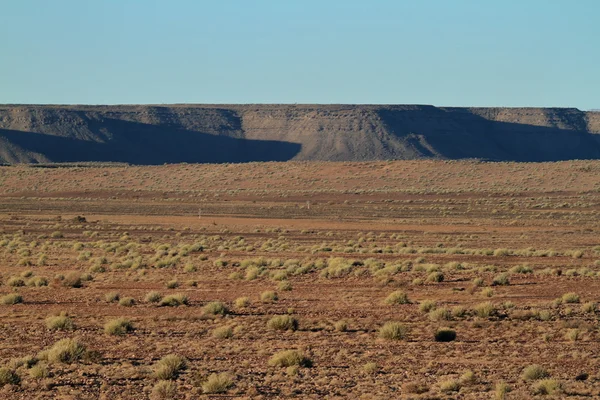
x=409 y=280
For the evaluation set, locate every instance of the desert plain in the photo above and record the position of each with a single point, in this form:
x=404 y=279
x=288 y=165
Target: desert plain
x=309 y=280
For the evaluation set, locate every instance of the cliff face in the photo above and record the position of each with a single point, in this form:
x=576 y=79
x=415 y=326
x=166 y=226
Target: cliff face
x=241 y=133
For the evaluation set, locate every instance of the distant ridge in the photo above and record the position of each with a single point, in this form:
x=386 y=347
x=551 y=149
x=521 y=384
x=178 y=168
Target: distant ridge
x=157 y=134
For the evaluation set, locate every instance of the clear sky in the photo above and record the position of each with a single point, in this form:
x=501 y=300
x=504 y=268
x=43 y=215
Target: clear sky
x=441 y=52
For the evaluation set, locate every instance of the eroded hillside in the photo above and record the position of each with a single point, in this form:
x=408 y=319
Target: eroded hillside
x=242 y=133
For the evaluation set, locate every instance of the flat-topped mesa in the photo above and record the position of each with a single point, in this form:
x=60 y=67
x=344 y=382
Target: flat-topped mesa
x=157 y=134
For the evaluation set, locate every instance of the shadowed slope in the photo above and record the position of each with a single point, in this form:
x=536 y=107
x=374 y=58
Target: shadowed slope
x=241 y=133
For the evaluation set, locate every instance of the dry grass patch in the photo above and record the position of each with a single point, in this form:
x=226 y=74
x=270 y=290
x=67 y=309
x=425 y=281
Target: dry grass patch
x=393 y=331
x=217 y=383
x=60 y=322
x=283 y=323
x=169 y=367
x=11 y=298
x=66 y=351
x=215 y=308
x=174 y=300
x=397 y=297
x=8 y=377
x=534 y=372
x=289 y=358
x=119 y=326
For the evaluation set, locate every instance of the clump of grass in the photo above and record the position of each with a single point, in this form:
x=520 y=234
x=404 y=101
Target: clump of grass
x=415 y=388
x=449 y=386
x=164 y=390
x=222 y=332
x=370 y=368
x=467 y=378
x=153 y=297
x=284 y=286
x=174 y=300
x=72 y=279
x=501 y=280
x=547 y=387
x=283 y=323
x=501 y=252
x=112 y=297
x=435 y=277
x=252 y=273
x=189 y=268
x=485 y=310
x=127 y=301
x=242 y=302
x=173 y=284
x=289 y=358
x=268 y=296
x=501 y=391
x=521 y=269
x=440 y=314
x=570 y=298
x=427 y=305
x=217 y=383
x=535 y=372
x=39 y=371
x=119 y=326
x=66 y=351
x=341 y=326
x=397 y=297
x=215 y=308
x=60 y=322
x=393 y=331
x=169 y=367
x=487 y=292
x=15 y=281
x=573 y=335
x=458 y=311
x=8 y=377
x=42 y=260
x=589 y=307
x=11 y=298
x=445 y=335
x=37 y=281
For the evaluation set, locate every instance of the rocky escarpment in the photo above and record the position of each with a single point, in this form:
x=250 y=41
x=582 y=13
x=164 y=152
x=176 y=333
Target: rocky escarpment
x=242 y=133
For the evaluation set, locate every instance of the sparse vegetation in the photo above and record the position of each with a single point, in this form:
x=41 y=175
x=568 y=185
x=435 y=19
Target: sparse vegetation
x=169 y=367
x=445 y=335
x=174 y=300
x=215 y=308
x=217 y=383
x=283 y=323
x=397 y=297
x=153 y=297
x=393 y=331
x=352 y=283
x=8 y=377
x=12 y=298
x=289 y=358
x=66 y=351
x=119 y=326
x=535 y=372
x=60 y=322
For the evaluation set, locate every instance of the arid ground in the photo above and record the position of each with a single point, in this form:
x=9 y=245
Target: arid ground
x=373 y=280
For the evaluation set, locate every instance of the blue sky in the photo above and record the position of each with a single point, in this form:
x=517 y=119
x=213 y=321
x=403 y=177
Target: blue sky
x=441 y=52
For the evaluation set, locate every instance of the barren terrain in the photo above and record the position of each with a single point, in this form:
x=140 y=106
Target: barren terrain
x=204 y=133
x=364 y=270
